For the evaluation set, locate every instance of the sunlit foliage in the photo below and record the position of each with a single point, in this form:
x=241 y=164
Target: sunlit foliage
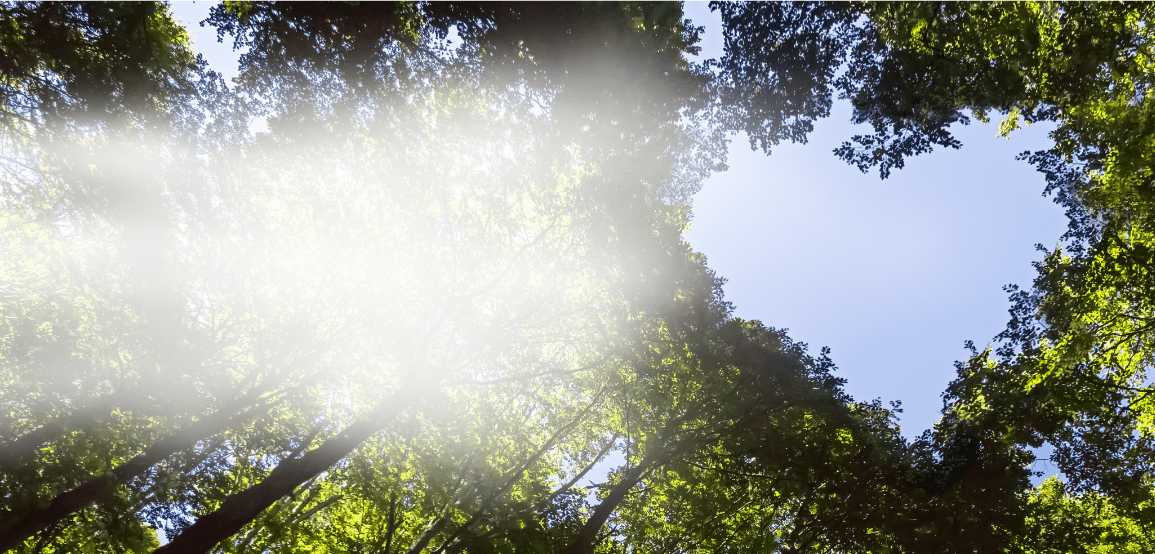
x=441 y=302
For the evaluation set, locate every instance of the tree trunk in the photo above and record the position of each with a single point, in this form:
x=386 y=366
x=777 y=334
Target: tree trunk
x=25 y=445
x=583 y=543
x=241 y=508
x=101 y=488
x=423 y=539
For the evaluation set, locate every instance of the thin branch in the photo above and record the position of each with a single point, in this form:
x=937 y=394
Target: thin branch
x=601 y=454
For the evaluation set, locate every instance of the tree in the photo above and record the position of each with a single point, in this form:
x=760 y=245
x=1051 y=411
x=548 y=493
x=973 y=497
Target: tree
x=500 y=264
x=444 y=288
x=1071 y=368
x=88 y=61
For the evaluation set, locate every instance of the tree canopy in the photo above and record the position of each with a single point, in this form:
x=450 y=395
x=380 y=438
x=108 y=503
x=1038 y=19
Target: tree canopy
x=447 y=287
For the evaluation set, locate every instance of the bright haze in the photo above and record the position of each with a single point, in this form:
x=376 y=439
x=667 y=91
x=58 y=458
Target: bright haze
x=893 y=275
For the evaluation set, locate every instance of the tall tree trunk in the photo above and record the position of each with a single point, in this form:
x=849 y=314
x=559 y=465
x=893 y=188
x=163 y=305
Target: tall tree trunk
x=25 y=445
x=241 y=508
x=427 y=534
x=14 y=531
x=583 y=543
x=392 y=527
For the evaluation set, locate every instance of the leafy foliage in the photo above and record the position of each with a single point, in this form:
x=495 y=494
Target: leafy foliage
x=444 y=304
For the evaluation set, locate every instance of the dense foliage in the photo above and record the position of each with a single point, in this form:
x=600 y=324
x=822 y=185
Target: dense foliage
x=1071 y=368
x=447 y=287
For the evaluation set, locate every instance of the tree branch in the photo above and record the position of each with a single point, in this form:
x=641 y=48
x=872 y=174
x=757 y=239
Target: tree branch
x=598 y=458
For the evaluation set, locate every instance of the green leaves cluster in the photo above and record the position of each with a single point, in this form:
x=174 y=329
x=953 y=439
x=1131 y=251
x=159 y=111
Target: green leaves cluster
x=1072 y=368
x=88 y=61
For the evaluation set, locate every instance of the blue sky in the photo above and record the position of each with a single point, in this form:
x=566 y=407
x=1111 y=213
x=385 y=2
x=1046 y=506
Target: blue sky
x=892 y=275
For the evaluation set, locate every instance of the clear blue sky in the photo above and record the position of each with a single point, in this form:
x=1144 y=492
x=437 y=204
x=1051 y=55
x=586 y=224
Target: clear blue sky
x=893 y=275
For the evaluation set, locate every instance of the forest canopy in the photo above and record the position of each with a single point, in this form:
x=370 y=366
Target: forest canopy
x=447 y=286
